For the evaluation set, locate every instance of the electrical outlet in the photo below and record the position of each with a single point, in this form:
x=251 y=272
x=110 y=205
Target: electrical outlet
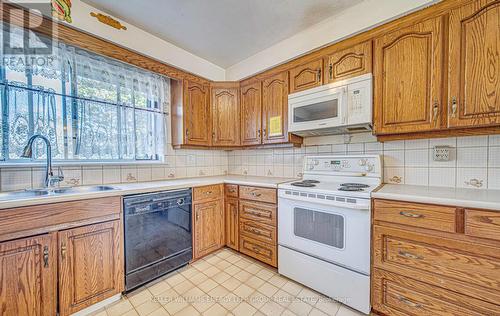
x=442 y=153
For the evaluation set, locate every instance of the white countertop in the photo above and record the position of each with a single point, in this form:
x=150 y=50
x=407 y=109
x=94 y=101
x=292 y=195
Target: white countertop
x=473 y=198
x=146 y=187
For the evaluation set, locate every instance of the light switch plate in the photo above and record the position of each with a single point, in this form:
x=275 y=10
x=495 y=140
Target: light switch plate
x=442 y=153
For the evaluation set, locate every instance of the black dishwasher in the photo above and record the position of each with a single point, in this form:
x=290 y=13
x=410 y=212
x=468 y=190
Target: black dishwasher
x=158 y=235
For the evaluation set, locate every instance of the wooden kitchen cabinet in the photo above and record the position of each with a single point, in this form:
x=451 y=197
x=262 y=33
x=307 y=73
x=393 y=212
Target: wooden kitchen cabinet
x=434 y=260
x=208 y=227
x=208 y=219
x=348 y=63
x=90 y=265
x=232 y=223
x=251 y=114
x=225 y=116
x=306 y=76
x=275 y=110
x=28 y=277
x=408 y=79
x=197 y=114
x=474 y=65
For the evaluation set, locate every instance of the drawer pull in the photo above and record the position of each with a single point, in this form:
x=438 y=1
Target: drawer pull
x=255 y=194
x=208 y=192
x=412 y=215
x=255 y=231
x=255 y=213
x=408 y=302
x=256 y=249
x=409 y=255
x=232 y=190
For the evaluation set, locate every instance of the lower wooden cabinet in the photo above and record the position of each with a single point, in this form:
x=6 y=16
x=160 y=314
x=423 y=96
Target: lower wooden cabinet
x=28 y=276
x=208 y=220
x=264 y=252
x=434 y=260
x=90 y=265
x=232 y=229
x=78 y=250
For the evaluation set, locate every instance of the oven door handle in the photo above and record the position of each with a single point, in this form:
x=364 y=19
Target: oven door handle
x=363 y=206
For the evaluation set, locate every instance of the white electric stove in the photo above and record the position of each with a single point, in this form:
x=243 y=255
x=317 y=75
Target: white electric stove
x=324 y=226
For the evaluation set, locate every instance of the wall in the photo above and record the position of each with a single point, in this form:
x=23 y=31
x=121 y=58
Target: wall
x=353 y=20
x=409 y=161
x=141 y=42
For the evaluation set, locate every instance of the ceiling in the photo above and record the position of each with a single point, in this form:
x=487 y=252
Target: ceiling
x=223 y=32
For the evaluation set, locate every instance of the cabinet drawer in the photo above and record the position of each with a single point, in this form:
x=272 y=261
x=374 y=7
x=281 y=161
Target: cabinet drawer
x=260 y=212
x=259 y=250
x=258 y=231
x=258 y=194
x=393 y=294
x=482 y=224
x=231 y=190
x=207 y=193
x=435 y=217
x=474 y=264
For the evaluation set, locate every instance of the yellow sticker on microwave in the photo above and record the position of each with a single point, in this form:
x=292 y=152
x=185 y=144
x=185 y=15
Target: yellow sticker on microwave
x=275 y=126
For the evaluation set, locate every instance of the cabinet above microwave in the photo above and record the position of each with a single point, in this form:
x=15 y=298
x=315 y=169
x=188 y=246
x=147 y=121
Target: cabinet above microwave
x=336 y=108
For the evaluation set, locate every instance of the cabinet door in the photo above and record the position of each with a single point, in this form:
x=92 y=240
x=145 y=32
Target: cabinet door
x=208 y=227
x=251 y=114
x=348 y=63
x=225 y=117
x=232 y=228
x=28 y=279
x=196 y=114
x=90 y=265
x=306 y=76
x=408 y=79
x=474 y=69
x=275 y=109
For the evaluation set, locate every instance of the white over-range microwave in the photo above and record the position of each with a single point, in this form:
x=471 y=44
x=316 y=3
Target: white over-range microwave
x=336 y=108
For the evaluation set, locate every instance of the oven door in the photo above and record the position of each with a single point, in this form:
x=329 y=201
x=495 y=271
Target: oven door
x=318 y=110
x=334 y=234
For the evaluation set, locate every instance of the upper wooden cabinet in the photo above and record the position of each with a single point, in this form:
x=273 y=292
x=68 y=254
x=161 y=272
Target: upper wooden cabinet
x=474 y=65
x=275 y=109
x=197 y=114
x=28 y=277
x=408 y=79
x=225 y=116
x=90 y=265
x=251 y=114
x=348 y=63
x=306 y=76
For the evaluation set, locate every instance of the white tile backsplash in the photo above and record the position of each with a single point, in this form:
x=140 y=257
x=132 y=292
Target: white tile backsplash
x=475 y=160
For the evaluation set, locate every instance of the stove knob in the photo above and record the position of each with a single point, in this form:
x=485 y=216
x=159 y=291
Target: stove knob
x=369 y=168
x=315 y=162
x=311 y=167
x=362 y=162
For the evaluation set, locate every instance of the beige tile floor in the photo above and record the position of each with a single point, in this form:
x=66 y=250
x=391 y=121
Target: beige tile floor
x=225 y=283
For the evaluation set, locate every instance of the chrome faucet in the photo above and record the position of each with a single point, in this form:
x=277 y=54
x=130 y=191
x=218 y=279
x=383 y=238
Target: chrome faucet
x=50 y=179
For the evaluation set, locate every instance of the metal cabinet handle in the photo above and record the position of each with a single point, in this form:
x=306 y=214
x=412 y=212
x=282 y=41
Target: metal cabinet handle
x=255 y=231
x=197 y=216
x=330 y=71
x=255 y=194
x=63 y=252
x=319 y=74
x=255 y=213
x=264 y=132
x=436 y=111
x=412 y=215
x=258 y=133
x=256 y=249
x=408 y=302
x=187 y=132
x=454 y=107
x=208 y=192
x=409 y=255
x=46 y=256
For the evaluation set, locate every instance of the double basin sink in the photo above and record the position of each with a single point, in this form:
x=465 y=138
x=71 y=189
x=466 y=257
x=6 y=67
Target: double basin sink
x=26 y=194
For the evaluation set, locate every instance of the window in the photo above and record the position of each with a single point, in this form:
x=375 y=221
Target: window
x=91 y=108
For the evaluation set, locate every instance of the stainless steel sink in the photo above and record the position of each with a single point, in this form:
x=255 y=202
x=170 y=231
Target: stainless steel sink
x=26 y=194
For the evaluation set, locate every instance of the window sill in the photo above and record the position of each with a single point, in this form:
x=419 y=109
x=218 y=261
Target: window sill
x=76 y=163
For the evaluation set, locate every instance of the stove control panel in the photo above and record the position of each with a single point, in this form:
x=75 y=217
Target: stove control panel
x=364 y=164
